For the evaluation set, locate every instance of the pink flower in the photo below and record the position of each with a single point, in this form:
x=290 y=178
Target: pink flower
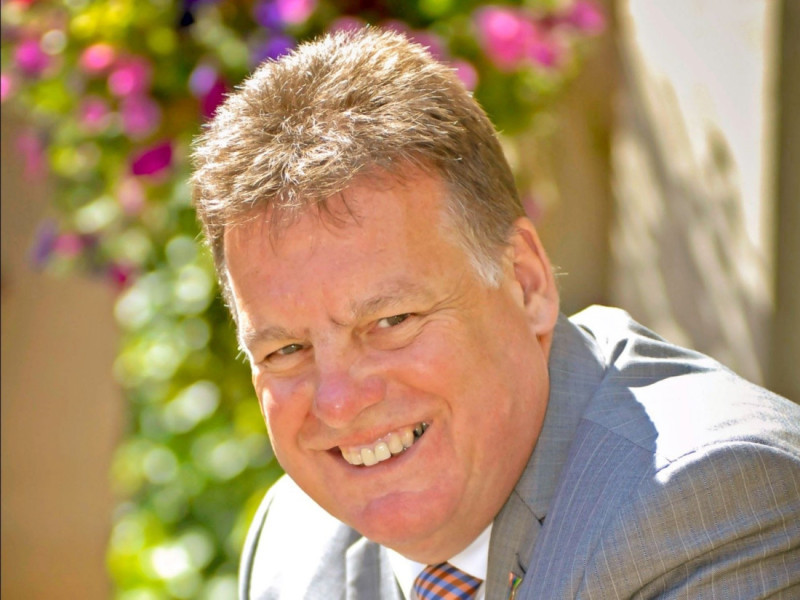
x=97 y=58
x=545 y=51
x=32 y=149
x=6 y=85
x=432 y=42
x=346 y=23
x=131 y=196
x=294 y=12
x=467 y=73
x=68 y=244
x=505 y=35
x=30 y=58
x=153 y=160
x=130 y=77
x=586 y=16
x=94 y=113
x=511 y=39
x=120 y=275
x=140 y=116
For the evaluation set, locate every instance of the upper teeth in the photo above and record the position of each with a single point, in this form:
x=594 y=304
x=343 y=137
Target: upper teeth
x=383 y=449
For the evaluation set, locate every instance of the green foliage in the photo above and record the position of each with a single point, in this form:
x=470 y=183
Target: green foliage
x=115 y=92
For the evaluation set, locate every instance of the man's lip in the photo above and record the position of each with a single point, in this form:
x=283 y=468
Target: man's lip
x=370 y=438
x=386 y=448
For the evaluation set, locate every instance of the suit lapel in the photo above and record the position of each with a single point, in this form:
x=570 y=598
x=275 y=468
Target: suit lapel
x=576 y=370
x=369 y=573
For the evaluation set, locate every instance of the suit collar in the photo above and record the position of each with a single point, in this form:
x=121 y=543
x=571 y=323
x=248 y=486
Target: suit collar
x=576 y=370
x=369 y=573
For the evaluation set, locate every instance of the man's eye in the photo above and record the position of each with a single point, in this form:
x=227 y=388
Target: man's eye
x=285 y=351
x=392 y=321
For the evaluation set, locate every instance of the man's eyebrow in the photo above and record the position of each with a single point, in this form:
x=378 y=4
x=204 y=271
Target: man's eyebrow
x=252 y=337
x=397 y=293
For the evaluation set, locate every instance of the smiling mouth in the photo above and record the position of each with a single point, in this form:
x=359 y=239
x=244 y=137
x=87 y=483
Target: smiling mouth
x=383 y=449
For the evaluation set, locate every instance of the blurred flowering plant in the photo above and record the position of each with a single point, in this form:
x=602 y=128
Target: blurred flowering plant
x=114 y=92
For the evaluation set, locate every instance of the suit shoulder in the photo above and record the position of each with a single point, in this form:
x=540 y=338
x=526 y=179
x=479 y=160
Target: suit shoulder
x=291 y=543
x=672 y=401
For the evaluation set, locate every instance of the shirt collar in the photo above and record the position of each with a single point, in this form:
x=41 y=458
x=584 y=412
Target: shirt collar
x=472 y=560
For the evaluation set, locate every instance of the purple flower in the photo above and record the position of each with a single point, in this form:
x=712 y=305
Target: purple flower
x=97 y=58
x=275 y=47
x=586 y=16
x=267 y=15
x=153 y=160
x=44 y=242
x=202 y=80
x=140 y=116
x=30 y=58
x=130 y=77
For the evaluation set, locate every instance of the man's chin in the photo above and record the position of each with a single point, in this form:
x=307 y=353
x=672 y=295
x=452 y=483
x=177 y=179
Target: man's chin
x=420 y=531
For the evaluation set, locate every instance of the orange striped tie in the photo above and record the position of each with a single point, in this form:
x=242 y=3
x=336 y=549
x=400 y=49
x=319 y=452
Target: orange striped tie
x=445 y=582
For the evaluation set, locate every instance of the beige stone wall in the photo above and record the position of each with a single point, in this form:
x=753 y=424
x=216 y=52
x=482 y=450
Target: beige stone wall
x=61 y=411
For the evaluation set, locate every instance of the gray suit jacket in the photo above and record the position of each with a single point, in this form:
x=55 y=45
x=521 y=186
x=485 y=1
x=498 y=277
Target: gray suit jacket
x=658 y=474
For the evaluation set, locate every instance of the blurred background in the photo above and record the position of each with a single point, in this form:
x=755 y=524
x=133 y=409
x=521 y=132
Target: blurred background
x=655 y=147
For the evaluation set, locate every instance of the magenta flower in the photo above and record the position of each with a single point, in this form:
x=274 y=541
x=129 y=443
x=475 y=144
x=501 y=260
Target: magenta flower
x=587 y=17
x=213 y=98
x=130 y=77
x=140 y=116
x=505 y=35
x=30 y=58
x=97 y=58
x=153 y=160
x=94 y=113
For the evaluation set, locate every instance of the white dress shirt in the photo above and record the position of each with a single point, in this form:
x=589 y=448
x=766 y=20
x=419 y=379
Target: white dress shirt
x=473 y=560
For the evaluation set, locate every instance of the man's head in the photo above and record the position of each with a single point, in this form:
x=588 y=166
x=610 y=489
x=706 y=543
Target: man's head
x=396 y=306
x=302 y=129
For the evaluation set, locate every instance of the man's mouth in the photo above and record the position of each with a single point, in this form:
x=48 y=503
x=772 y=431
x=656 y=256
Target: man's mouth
x=390 y=445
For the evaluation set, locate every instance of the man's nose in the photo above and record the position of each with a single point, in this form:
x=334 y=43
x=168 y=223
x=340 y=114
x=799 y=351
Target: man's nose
x=342 y=394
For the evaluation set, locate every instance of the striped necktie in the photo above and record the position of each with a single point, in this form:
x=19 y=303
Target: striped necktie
x=445 y=582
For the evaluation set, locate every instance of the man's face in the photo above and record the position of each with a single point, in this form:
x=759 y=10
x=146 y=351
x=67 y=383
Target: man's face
x=366 y=333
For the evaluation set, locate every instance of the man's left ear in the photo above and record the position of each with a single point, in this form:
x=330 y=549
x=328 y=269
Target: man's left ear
x=533 y=277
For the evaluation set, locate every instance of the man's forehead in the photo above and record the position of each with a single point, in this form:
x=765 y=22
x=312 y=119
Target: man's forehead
x=378 y=193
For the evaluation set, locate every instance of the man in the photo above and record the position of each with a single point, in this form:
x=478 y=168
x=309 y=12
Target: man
x=438 y=420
